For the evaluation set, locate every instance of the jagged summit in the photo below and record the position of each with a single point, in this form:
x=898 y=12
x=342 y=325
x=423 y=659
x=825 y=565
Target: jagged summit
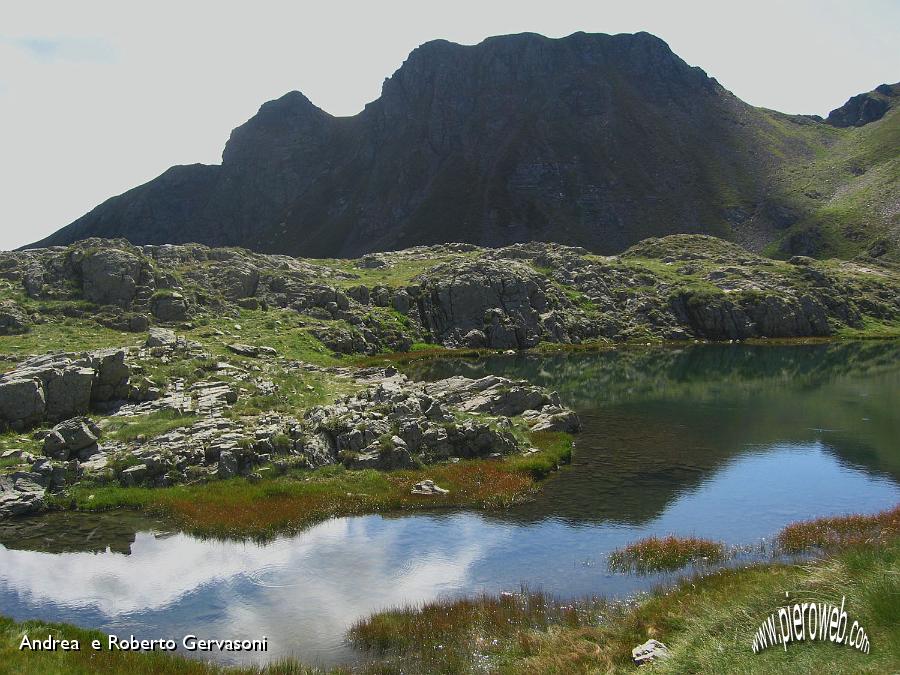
x=591 y=140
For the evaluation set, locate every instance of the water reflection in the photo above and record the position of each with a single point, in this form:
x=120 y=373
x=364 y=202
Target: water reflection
x=658 y=422
x=726 y=443
x=304 y=591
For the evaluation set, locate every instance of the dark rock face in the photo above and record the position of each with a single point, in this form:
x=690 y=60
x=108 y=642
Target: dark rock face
x=487 y=303
x=594 y=140
x=864 y=108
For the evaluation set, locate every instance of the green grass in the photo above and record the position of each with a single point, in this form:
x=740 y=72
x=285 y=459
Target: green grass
x=399 y=273
x=66 y=334
x=127 y=429
x=10 y=440
x=872 y=329
x=283 y=330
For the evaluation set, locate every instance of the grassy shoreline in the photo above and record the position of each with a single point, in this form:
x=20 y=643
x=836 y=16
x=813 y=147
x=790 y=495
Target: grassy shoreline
x=708 y=622
x=261 y=509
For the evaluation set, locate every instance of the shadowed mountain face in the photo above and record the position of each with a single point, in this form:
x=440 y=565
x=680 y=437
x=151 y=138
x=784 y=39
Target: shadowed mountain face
x=591 y=140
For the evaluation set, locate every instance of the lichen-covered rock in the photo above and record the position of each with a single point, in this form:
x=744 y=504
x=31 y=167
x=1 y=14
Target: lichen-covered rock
x=161 y=337
x=110 y=276
x=22 y=402
x=134 y=475
x=169 y=307
x=111 y=375
x=69 y=392
x=397 y=423
x=70 y=438
x=228 y=466
x=504 y=300
x=21 y=495
x=56 y=386
x=13 y=319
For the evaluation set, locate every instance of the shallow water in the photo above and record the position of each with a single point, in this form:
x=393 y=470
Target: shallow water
x=726 y=442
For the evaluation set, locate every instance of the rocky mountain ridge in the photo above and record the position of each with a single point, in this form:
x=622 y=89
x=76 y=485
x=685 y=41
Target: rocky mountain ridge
x=590 y=140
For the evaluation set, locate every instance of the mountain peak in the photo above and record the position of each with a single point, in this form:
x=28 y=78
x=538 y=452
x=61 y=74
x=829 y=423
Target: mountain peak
x=292 y=116
x=864 y=108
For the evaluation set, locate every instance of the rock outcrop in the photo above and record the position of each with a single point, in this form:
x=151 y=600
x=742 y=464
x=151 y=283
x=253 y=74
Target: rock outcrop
x=865 y=108
x=393 y=423
x=458 y=295
x=57 y=386
x=398 y=423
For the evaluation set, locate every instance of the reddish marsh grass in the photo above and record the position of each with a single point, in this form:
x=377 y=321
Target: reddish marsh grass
x=835 y=533
x=239 y=507
x=655 y=554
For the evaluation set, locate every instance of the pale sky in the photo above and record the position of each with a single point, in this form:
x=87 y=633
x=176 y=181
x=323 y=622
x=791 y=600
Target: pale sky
x=98 y=97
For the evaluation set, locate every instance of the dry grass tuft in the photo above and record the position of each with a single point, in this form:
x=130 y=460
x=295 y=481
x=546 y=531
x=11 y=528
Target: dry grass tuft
x=655 y=554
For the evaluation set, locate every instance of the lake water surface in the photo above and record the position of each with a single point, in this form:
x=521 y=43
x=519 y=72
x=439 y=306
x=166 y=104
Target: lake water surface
x=726 y=442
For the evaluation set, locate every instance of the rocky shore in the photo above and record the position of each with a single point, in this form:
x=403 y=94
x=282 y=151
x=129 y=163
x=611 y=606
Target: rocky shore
x=389 y=423
x=184 y=364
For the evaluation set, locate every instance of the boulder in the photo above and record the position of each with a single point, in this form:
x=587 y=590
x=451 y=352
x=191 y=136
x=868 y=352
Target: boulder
x=557 y=419
x=240 y=280
x=67 y=439
x=161 y=337
x=22 y=402
x=134 y=475
x=427 y=487
x=138 y=323
x=475 y=339
x=110 y=276
x=251 y=350
x=384 y=455
x=112 y=375
x=69 y=392
x=20 y=497
x=228 y=465
x=13 y=319
x=650 y=651
x=169 y=307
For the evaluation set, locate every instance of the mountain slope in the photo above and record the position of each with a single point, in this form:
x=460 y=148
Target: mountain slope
x=592 y=140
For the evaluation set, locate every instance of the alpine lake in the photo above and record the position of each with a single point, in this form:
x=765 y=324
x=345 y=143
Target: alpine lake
x=726 y=442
